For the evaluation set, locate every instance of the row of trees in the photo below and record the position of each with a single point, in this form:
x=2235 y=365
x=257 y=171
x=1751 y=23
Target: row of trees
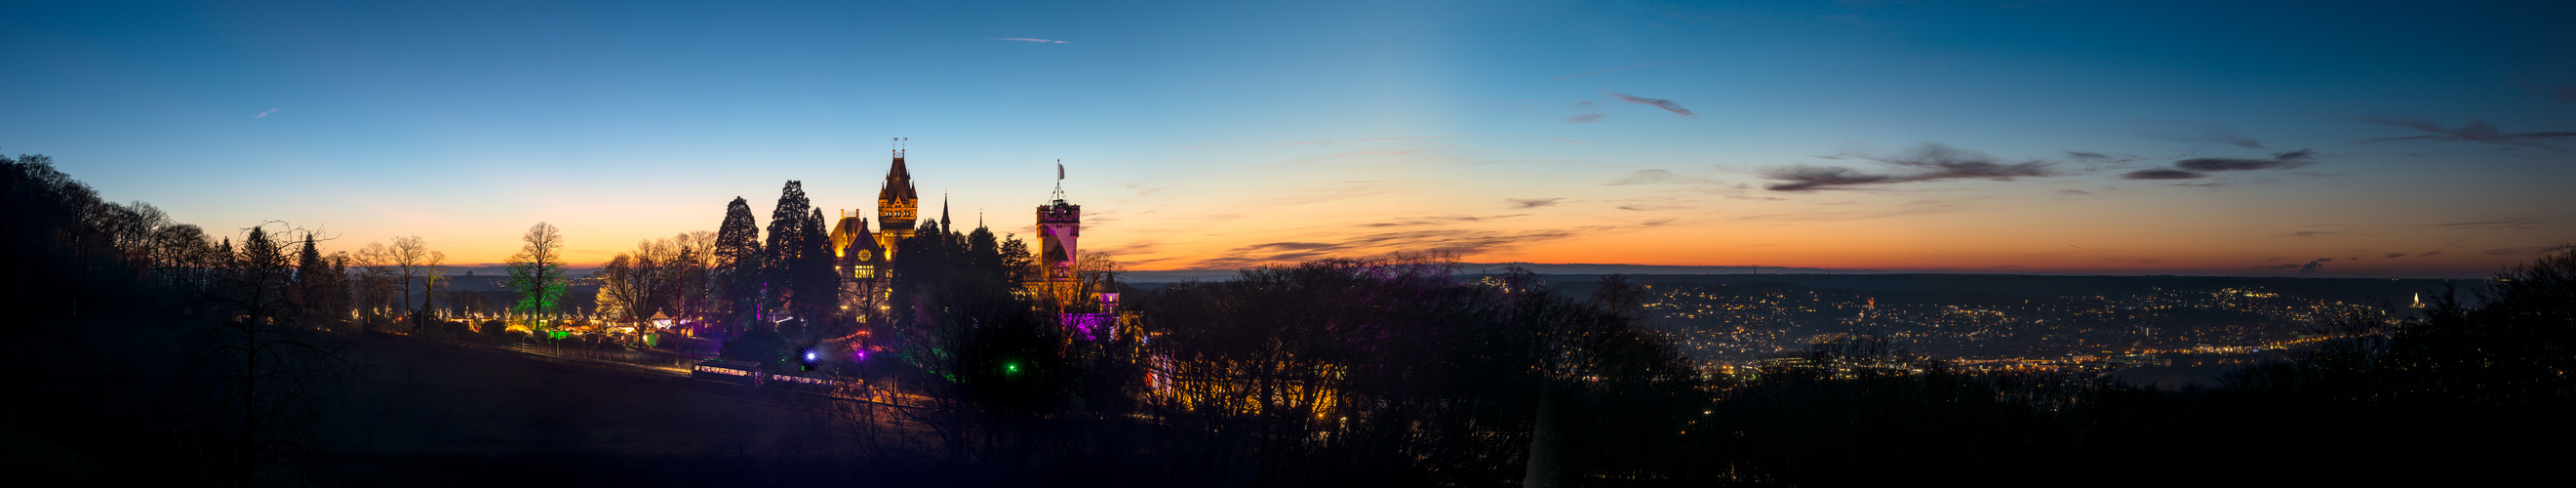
x=732 y=277
x=69 y=252
x=262 y=313
x=1388 y=370
x=782 y=283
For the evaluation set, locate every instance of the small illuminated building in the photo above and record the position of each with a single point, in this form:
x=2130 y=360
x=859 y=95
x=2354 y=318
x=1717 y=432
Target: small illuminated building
x=862 y=264
x=856 y=250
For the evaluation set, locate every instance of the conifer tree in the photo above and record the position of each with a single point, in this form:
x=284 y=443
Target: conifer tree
x=816 y=282
x=787 y=248
x=737 y=265
x=313 y=279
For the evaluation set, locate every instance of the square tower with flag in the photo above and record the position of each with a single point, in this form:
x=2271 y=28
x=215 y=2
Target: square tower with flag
x=1059 y=227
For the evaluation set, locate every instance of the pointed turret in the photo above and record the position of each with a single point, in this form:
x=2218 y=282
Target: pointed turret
x=898 y=182
x=897 y=206
x=943 y=213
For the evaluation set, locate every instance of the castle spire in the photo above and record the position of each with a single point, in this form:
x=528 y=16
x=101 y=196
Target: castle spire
x=897 y=202
x=943 y=211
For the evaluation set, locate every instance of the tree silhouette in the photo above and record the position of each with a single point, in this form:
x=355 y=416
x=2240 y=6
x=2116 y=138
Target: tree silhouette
x=786 y=255
x=738 y=265
x=537 y=271
x=248 y=396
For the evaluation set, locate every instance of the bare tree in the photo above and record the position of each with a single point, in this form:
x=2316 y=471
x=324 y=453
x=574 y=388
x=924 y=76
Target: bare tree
x=252 y=386
x=375 y=279
x=408 y=257
x=537 y=271
x=433 y=274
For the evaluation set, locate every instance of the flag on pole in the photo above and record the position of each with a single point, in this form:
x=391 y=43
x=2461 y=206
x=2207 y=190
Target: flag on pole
x=1059 y=170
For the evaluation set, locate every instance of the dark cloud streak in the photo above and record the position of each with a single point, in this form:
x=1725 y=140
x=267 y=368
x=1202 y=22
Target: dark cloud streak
x=2478 y=131
x=2201 y=167
x=1928 y=162
x=1667 y=105
x=2285 y=160
x=2161 y=174
x=2179 y=131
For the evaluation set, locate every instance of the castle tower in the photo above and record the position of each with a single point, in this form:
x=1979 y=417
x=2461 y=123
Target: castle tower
x=1059 y=226
x=897 y=206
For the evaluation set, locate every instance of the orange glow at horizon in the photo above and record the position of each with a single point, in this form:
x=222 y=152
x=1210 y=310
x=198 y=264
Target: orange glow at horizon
x=1172 y=221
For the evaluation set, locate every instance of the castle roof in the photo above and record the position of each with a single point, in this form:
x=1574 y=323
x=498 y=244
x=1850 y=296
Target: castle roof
x=898 y=183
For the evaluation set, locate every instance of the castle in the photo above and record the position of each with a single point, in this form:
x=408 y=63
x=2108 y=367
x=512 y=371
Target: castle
x=862 y=256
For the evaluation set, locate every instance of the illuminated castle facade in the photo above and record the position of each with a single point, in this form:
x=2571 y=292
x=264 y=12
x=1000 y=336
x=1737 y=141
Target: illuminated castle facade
x=1059 y=226
x=864 y=256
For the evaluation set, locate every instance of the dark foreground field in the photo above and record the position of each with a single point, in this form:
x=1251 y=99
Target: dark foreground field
x=89 y=406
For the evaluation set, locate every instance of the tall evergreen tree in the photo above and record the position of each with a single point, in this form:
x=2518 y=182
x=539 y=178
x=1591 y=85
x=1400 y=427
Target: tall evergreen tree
x=313 y=280
x=737 y=266
x=787 y=247
x=816 y=283
x=984 y=254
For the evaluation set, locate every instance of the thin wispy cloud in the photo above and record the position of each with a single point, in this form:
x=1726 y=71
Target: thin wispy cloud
x=1029 y=39
x=1440 y=220
x=264 y=113
x=2528 y=250
x=2560 y=94
x=1923 y=207
x=1462 y=242
x=1317 y=142
x=1653 y=176
x=2161 y=174
x=1667 y=105
x=1533 y=202
x=1628 y=67
x=1653 y=206
x=1928 y=162
x=2478 y=131
x=1553 y=139
x=1584 y=113
x=1371 y=153
x=2201 y=167
x=2282 y=160
x=2504 y=224
x=1142 y=190
x=2179 y=131
x=2096 y=161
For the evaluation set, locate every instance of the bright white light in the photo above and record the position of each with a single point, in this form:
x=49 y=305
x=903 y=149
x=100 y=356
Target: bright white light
x=809 y=355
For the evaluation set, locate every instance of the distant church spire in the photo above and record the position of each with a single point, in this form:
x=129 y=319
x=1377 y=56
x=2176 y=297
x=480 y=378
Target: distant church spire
x=943 y=211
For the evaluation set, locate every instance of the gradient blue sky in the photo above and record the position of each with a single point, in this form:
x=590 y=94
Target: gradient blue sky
x=1239 y=133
